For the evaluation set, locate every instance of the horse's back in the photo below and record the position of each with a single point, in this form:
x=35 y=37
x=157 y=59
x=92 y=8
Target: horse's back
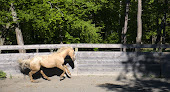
x=50 y=61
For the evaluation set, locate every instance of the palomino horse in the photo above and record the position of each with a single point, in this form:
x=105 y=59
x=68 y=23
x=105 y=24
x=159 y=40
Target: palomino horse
x=55 y=59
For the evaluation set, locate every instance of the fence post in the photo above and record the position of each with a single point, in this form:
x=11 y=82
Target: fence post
x=37 y=50
x=76 y=49
x=51 y=50
x=160 y=59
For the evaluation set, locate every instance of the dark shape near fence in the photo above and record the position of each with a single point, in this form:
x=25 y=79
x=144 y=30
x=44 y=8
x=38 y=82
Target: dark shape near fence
x=117 y=63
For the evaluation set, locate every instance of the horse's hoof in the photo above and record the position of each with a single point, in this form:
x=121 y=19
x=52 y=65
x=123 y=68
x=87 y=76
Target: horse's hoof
x=62 y=78
x=33 y=81
x=49 y=79
x=69 y=75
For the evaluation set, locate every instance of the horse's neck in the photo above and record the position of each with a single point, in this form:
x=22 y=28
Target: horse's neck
x=64 y=53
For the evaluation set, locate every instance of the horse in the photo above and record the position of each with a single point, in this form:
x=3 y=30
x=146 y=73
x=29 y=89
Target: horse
x=55 y=59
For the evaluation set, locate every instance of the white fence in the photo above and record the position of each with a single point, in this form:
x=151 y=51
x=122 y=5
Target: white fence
x=98 y=62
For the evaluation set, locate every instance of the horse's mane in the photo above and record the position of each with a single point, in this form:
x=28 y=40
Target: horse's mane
x=62 y=49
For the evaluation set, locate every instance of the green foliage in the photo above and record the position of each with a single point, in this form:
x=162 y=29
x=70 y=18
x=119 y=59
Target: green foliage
x=2 y=75
x=151 y=1
x=112 y=38
x=80 y=21
x=70 y=39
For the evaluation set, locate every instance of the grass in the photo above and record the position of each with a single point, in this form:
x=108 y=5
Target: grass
x=2 y=75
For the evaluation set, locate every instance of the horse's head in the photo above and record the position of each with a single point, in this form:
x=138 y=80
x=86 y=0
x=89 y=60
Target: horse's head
x=71 y=53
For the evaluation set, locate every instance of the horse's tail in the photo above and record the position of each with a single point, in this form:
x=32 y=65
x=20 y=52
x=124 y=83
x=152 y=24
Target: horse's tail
x=24 y=63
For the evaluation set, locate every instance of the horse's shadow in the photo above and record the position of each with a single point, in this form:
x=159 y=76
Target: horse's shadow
x=50 y=71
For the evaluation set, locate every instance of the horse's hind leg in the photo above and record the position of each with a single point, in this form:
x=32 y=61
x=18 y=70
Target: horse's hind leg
x=41 y=71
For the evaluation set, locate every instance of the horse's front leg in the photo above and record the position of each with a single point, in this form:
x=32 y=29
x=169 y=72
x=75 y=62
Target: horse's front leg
x=30 y=75
x=67 y=71
x=64 y=71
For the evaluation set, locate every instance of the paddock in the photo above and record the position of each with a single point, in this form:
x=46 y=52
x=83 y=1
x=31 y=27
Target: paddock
x=90 y=83
x=107 y=70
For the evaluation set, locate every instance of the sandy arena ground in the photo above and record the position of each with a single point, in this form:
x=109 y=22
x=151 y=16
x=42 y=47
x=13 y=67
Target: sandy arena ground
x=84 y=84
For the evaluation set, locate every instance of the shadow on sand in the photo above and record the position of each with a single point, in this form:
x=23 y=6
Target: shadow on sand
x=138 y=86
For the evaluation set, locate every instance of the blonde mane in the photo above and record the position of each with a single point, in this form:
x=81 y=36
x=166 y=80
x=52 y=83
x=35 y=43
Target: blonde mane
x=62 y=49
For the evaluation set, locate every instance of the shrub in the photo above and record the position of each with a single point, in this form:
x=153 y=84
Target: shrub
x=2 y=75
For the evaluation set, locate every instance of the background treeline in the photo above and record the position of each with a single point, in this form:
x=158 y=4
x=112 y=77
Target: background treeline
x=83 y=21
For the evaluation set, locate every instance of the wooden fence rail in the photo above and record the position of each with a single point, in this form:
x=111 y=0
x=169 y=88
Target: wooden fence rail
x=54 y=46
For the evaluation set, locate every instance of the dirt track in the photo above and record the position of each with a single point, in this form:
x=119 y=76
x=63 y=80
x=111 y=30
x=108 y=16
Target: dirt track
x=84 y=84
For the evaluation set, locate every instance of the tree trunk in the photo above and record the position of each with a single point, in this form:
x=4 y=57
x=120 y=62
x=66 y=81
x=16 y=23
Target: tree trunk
x=158 y=36
x=165 y=15
x=124 y=30
x=139 y=24
x=4 y=34
x=17 y=30
x=1 y=42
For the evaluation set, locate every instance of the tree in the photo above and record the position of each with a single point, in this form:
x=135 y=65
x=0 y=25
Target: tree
x=139 y=23
x=17 y=30
x=85 y=21
x=124 y=30
x=54 y=19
